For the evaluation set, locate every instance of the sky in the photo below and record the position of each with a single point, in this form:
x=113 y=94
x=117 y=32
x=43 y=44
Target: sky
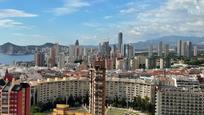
x=36 y=22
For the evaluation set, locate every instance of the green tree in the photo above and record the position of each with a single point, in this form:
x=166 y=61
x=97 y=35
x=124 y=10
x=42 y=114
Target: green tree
x=71 y=101
x=86 y=99
x=116 y=101
x=123 y=102
x=78 y=101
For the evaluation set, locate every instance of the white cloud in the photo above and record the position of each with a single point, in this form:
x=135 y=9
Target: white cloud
x=9 y=23
x=127 y=11
x=7 y=14
x=134 y=7
x=71 y=6
x=107 y=17
x=175 y=17
x=91 y=24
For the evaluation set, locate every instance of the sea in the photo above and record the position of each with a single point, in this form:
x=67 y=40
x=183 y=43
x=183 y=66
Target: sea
x=10 y=59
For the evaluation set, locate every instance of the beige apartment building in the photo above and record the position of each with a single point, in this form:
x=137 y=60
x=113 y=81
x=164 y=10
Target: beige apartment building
x=45 y=90
x=129 y=88
x=51 y=89
x=179 y=101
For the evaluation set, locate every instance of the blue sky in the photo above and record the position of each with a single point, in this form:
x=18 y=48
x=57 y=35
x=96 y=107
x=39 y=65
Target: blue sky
x=92 y=21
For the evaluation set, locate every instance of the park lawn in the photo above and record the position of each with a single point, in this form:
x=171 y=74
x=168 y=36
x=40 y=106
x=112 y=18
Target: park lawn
x=114 y=111
x=40 y=113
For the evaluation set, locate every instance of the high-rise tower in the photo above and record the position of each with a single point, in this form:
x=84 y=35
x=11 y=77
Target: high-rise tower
x=120 y=42
x=150 y=51
x=97 y=88
x=179 y=43
x=39 y=57
x=160 y=46
x=77 y=50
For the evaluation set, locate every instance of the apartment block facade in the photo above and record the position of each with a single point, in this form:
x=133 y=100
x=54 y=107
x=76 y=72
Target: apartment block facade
x=45 y=90
x=14 y=97
x=179 y=101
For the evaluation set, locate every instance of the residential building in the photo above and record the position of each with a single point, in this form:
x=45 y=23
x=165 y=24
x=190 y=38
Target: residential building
x=61 y=60
x=39 y=58
x=97 y=87
x=179 y=101
x=105 y=50
x=138 y=62
x=183 y=97
x=50 y=89
x=14 y=97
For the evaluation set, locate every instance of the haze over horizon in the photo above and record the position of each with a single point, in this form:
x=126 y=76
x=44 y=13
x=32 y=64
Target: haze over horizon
x=36 y=22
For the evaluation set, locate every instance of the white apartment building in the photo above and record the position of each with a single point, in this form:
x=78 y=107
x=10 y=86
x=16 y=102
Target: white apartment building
x=179 y=101
x=45 y=90
x=51 y=89
x=129 y=88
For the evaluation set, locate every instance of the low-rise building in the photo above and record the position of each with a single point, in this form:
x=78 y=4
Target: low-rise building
x=62 y=109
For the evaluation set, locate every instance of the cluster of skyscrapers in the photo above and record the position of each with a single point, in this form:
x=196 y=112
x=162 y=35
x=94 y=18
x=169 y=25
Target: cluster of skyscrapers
x=169 y=93
x=184 y=48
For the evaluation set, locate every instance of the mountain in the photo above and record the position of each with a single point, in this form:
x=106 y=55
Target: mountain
x=9 y=48
x=12 y=49
x=171 y=40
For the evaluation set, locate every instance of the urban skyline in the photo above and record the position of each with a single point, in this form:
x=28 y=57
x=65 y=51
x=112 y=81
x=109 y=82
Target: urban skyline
x=64 y=21
x=102 y=57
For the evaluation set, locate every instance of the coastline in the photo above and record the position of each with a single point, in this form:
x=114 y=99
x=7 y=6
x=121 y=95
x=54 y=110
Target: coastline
x=10 y=59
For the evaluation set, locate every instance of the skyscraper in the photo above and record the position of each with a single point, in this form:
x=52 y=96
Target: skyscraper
x=77 y=50
x=166 y=50
x=195 y=51
x=114 y=50
x=179 y=43
x=61 y=60
x=130 y=51
x=114 y=55
x=120 y=42
x=100 y=48
x=106 y=50
x=189 y=49
x=39 y=58
x=150 y=51
x=97 y=88
x=124 y=50
x=54 y=50
x=186 y=49
x=183 y=48
x=161 y=63
x=159 y=51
